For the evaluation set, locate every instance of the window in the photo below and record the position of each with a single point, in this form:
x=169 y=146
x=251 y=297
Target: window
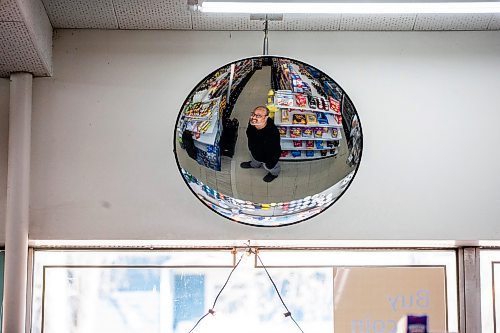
x=188 y=298
x=490 y=294
x=168 y=291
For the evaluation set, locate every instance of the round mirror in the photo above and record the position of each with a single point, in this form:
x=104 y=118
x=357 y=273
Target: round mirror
x=268 y=141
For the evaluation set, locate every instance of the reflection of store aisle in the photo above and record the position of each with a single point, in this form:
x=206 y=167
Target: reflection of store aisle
x=297 y=179
x=248 y=184
x=254 y=94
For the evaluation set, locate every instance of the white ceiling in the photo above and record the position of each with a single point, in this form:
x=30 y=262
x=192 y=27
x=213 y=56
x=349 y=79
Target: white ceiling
x=24 y=46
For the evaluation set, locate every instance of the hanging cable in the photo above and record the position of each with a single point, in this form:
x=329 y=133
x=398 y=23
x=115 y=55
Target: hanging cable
x=287 y=313
x=211 y=310
x=249 y=251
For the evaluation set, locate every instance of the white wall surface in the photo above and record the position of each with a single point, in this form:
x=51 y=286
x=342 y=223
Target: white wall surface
x=4 y=141
x=429 y=103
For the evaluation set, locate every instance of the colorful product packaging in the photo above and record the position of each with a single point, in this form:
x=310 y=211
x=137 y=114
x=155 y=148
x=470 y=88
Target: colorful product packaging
x=318 y=132
x=295 y=132
x=285 y=116
x=324 y=104
x=305 y=87
x=282 y=130
x=321 y=118
x=309 y=144
x=416 y=324
x=338 y=118
x=297 y=143
x=299 y=119
x=307 y=132
x=334 y=104
x=311 y=119
x=310 y=153
x=283 y=98
x=300 y=100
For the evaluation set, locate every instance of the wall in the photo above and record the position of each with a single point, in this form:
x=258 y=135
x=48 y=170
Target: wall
x=4 y=142
x=102 y=161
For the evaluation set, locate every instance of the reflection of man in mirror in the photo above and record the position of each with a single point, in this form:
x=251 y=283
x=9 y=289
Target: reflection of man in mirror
x=264 y=143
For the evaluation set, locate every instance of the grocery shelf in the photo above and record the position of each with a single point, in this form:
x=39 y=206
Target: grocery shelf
x=329 y=117
x=327 y=137
x=305 y=109
x=317 y=155
x=289 y=146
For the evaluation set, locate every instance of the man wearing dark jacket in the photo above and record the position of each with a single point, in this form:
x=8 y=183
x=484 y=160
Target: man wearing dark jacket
x=264 y=143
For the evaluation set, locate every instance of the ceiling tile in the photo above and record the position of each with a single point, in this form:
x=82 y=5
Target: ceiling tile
x=495 y=22
x=9 y=11
x=377 y=22
x=452 y=21
x=87 y=14
x=17 y=52
x=222 y=21
x=306 y=22
x=153 y=14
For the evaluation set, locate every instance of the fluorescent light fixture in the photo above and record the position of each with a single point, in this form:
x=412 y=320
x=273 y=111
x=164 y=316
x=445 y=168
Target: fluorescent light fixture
x=261 y=7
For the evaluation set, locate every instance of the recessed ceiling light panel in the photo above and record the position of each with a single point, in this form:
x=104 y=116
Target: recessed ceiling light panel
x=350 y=7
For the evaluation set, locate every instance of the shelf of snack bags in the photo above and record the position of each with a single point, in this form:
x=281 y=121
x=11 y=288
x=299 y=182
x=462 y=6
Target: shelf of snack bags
x=299 y=118
x=306 y=144
x=332 y=89
x=241 y=70
x=202 y=118
x=319 y=85
x=309 y=133
x=312 y=94
x=285 y=99
x=282 y=72
x=213 y=88
x=292 y=80
x=299 y=155
x=306 y=133
x=309 y=141
x=219 y=85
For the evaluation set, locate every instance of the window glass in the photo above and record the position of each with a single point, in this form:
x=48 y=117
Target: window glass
x=102 y=291
x=490 y=295
x=74 y=290
x=376 y=289
x=379 y=299
x=188 y=298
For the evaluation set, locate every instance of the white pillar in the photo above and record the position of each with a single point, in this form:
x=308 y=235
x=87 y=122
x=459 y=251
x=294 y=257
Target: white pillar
x=17 y=216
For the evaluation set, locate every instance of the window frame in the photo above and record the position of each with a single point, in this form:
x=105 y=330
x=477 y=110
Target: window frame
x=267 y=253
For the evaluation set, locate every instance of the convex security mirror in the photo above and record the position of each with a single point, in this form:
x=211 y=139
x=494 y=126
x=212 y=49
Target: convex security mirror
x=268 y=141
